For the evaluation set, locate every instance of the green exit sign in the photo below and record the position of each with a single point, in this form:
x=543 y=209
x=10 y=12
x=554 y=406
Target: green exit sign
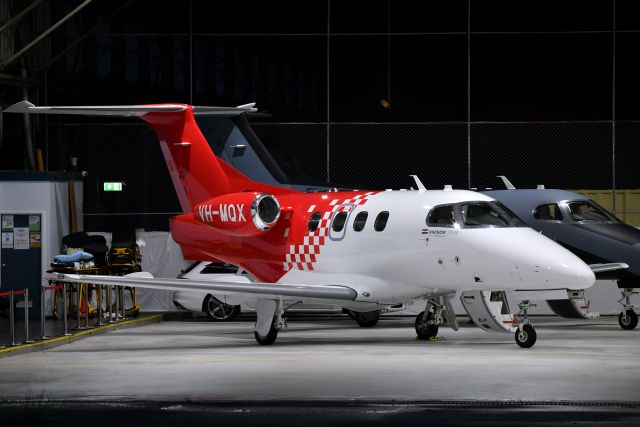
x=112 y=186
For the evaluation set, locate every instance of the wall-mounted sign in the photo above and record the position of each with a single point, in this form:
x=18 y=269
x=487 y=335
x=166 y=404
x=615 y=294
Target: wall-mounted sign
x=35 y=239
x=112 y=186
x=34 y=222
x=7 y=239
x=21 y=238
x=7 y=222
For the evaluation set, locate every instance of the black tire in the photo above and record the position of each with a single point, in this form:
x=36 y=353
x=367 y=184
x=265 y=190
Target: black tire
x=526 y=337
x=268 y=339
x=219 y=311
x=628 y=322
x=423 y=329
x=366 y=319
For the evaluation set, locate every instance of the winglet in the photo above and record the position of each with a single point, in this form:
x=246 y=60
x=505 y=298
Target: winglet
x=419 y=183
x=506 y=182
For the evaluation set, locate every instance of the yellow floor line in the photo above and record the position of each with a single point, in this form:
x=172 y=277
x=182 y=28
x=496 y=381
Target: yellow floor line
x=78 y=334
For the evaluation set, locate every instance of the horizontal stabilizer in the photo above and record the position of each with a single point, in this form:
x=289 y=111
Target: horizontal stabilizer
x=337 y=292
x=128 y=110
x=599 y=268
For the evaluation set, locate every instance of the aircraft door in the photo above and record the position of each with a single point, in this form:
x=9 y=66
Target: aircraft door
x=488 y=310
x=440 y=228
x=339 y=220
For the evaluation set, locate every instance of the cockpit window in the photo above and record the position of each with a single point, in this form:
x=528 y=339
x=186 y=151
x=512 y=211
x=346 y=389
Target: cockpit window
x=441 y=216
x=488 y=214
x=589 y=211
x=548 y=212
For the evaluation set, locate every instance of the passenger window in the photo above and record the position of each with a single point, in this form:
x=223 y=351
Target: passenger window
x=314 y=221
x=360 y=221
x=442 y=216
x=381 y=221
x=338 y=221
x=549 y=212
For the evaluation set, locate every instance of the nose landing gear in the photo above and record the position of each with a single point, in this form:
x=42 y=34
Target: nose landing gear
x=628 y=319
x=525 y=334
x=427 y=321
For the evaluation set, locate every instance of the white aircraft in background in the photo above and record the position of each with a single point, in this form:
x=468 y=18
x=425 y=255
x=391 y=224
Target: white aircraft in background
x=361 y=250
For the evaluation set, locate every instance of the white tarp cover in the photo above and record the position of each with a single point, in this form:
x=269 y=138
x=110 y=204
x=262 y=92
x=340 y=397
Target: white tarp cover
x=162 y=257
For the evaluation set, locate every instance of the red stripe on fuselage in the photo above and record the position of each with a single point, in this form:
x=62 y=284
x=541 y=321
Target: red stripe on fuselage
x=269 y=255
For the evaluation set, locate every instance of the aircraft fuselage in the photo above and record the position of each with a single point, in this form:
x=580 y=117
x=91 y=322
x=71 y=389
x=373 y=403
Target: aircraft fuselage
x=404 y=258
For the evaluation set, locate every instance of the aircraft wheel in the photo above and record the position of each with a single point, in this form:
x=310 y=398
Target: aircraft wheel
x=366 y=319
x=423 y=329
x=268 y=339
x=526 y=337
x=628 y=320
x=219 y=311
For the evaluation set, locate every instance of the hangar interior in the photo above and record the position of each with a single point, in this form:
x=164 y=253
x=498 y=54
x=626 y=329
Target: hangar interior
x=349 y=95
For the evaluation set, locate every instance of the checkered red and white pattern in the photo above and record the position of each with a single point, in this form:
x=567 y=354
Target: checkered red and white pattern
x=303 y=256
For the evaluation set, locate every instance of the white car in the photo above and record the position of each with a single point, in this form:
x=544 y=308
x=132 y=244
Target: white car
x=225 y=308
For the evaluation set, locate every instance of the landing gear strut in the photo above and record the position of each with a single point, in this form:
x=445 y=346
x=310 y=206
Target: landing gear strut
x=427 y=322
x=628 y=319
x=525 y=334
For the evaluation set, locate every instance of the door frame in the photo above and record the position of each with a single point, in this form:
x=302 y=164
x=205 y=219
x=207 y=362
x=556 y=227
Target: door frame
x=337 y=236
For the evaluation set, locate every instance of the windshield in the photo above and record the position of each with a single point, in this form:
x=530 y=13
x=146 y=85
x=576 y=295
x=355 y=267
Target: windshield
x=488 y=214
x=584 y=210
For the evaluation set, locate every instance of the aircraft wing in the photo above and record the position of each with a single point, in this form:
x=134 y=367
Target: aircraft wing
x=128 y=110
x=600 y=268
x=146 y=280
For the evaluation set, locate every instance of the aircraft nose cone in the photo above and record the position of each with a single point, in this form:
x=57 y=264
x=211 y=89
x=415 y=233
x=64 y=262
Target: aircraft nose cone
x=547 y=265
x=565 y=270
x=577 y=275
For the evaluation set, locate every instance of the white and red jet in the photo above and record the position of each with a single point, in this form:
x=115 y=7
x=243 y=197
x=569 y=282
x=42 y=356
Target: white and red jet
x=361 y=250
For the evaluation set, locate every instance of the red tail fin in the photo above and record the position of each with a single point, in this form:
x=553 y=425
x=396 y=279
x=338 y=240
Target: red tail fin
x=197 y=173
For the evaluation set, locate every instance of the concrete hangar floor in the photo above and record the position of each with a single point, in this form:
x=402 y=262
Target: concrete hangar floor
x=328 y=371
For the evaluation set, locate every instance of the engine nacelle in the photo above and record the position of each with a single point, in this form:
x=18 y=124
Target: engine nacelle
x=240 y=214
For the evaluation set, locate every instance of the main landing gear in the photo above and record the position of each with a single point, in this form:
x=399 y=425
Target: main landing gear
x=365 y=319
x=271 y=336
x=272 y=312
x=428 y=321
x=525 y=334
x=628 y=319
